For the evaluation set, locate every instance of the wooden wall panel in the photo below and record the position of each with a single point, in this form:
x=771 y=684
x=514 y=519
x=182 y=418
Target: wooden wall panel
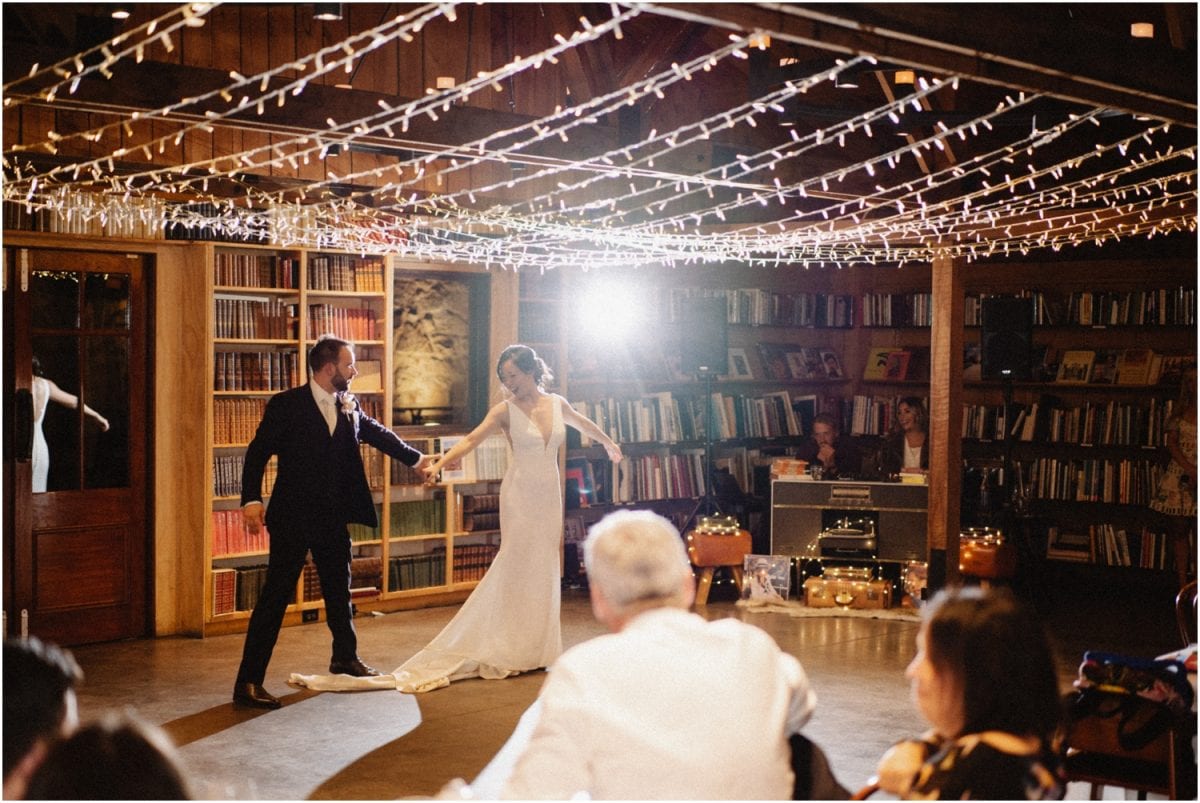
x=253 y=56
x=226 y=26
x=376 y=70
x=281 y=35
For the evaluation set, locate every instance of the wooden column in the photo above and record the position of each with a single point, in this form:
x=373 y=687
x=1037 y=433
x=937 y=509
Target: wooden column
x=945 y=421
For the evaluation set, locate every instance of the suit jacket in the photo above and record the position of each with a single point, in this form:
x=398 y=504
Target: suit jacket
x=847 y=459
x=320 y=476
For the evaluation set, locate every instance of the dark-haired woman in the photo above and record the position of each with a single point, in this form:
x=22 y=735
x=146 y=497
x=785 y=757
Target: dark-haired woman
x=908 y=445
x=984 y=680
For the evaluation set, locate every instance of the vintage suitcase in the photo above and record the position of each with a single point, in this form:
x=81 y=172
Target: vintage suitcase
x=846 y=587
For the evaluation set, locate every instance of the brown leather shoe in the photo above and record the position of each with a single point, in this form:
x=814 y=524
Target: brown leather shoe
x=355 y=668
x=255 y=696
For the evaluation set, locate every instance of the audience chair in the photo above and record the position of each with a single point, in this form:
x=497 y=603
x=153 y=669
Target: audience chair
x=1163 y=767
x=1185 y=613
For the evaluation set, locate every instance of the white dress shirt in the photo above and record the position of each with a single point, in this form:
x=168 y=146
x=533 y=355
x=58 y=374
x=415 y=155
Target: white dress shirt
x=327 y=402
x=671 y=707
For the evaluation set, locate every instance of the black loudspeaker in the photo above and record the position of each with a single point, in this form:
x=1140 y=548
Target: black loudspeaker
x=1007 y=340
x=704 y=336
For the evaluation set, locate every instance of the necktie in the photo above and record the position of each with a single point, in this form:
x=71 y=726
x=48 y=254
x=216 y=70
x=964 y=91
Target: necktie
x=329 y=410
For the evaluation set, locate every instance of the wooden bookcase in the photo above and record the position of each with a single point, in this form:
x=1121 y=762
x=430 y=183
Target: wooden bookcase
x=637 y=396
x=267 y=306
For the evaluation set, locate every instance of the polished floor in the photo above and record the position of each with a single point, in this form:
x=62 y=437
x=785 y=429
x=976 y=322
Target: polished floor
x=383 y=745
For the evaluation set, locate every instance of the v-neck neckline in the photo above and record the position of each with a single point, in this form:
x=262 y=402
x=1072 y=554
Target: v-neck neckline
x=545 y=436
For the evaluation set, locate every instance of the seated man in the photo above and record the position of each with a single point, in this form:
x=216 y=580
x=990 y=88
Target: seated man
x=667 y=704
x=838 y=456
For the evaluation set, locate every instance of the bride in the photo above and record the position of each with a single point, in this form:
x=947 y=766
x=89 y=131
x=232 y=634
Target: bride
x=510 y=622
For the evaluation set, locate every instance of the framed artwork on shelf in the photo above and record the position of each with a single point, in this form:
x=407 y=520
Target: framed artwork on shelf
x=833 y=366
x=1076 y=367
x=739 y=365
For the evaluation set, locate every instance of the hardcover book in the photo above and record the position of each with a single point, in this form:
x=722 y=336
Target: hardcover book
x=1076 y=367
x=877 y=363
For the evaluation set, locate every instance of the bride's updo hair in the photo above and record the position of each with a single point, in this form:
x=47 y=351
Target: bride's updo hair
x=527 y=361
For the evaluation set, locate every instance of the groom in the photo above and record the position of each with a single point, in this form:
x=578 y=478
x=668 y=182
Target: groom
x=320 y=487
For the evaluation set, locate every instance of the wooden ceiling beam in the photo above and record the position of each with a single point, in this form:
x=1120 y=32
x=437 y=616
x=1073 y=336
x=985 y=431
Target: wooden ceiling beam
x=998 y=45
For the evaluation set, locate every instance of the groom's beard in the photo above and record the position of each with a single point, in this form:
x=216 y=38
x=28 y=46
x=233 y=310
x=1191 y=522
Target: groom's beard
x=340 y=383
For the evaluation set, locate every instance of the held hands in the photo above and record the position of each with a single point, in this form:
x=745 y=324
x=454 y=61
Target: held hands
x=614 y=452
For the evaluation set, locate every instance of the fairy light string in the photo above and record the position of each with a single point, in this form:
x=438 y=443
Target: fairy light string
x=618 y=207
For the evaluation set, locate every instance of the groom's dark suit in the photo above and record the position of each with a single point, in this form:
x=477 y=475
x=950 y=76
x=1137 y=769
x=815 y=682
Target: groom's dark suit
x=320 y=487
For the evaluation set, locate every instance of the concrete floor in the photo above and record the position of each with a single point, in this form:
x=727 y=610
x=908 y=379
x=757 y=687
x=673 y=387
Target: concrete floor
x=384 y=745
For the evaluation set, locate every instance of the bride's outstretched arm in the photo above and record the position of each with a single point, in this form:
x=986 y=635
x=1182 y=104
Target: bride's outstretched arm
x=589 y=427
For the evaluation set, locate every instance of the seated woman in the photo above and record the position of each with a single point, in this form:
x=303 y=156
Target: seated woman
x=908 y=445
x=984 y=680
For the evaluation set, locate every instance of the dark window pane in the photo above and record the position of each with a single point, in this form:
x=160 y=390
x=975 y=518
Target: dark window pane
x=106 y=390
x=106 y=301
x=55 y=296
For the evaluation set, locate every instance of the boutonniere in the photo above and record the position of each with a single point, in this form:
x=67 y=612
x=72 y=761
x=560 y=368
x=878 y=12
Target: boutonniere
x=349 y=404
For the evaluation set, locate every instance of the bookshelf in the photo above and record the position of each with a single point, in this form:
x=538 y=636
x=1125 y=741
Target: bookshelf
x=1104 y=435
x=268 y=306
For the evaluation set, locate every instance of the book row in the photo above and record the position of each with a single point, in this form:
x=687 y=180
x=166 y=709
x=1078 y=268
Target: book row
x=349 y=323
x=366 y=575
x=230 y=536
x=480 y=503
x=255 y=269
x=488 y=461
x=759 y=307
x=1048 y=420
x=236 y=420
x=1111 y=546
x=672 y=417
x=418 y=517
x=897 y=309
x=1120 y=367
x=253 y=318
x=255 y=370
x=227 y=476
x=1119 y=482
x=345 y=273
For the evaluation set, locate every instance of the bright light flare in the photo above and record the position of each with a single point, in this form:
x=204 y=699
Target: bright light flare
x=613 y=311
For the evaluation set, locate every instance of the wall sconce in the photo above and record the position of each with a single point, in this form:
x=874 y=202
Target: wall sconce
x=1142 y=30
x=327 y=12
x=902 y=77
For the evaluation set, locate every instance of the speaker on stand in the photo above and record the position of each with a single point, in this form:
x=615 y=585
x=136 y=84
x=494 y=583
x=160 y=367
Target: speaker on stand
x=1006 y=350
x=704 y=351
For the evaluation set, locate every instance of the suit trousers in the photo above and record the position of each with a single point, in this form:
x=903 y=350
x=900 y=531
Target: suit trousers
x=330 y=546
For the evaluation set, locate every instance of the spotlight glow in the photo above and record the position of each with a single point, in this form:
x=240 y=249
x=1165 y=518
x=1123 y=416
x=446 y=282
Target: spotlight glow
x=613 y=312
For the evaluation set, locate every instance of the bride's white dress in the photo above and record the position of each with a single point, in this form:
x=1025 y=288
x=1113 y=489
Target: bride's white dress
x=510 y=622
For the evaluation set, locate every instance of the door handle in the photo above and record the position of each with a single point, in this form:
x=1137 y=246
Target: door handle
x=24 y=425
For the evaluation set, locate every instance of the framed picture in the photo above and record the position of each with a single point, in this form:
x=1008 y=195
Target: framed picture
x=767 y=578
x=739 y=365
x=456 y=471
x=833 y=366
x=573 y=530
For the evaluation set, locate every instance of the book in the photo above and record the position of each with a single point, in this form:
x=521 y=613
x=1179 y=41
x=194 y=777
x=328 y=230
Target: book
x=877 y=362
x=1104 y=367
x=1075 y=367
x=774 y=357
x=897 y=365
x=1133 y=366
x=798 y=364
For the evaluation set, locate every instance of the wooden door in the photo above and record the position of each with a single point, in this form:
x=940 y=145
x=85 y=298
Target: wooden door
x=75 y=482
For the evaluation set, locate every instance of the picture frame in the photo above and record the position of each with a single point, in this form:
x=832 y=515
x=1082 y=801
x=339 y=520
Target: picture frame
x=767 y=578
x=833 y=365
x=574 y=530
x=739 y=365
